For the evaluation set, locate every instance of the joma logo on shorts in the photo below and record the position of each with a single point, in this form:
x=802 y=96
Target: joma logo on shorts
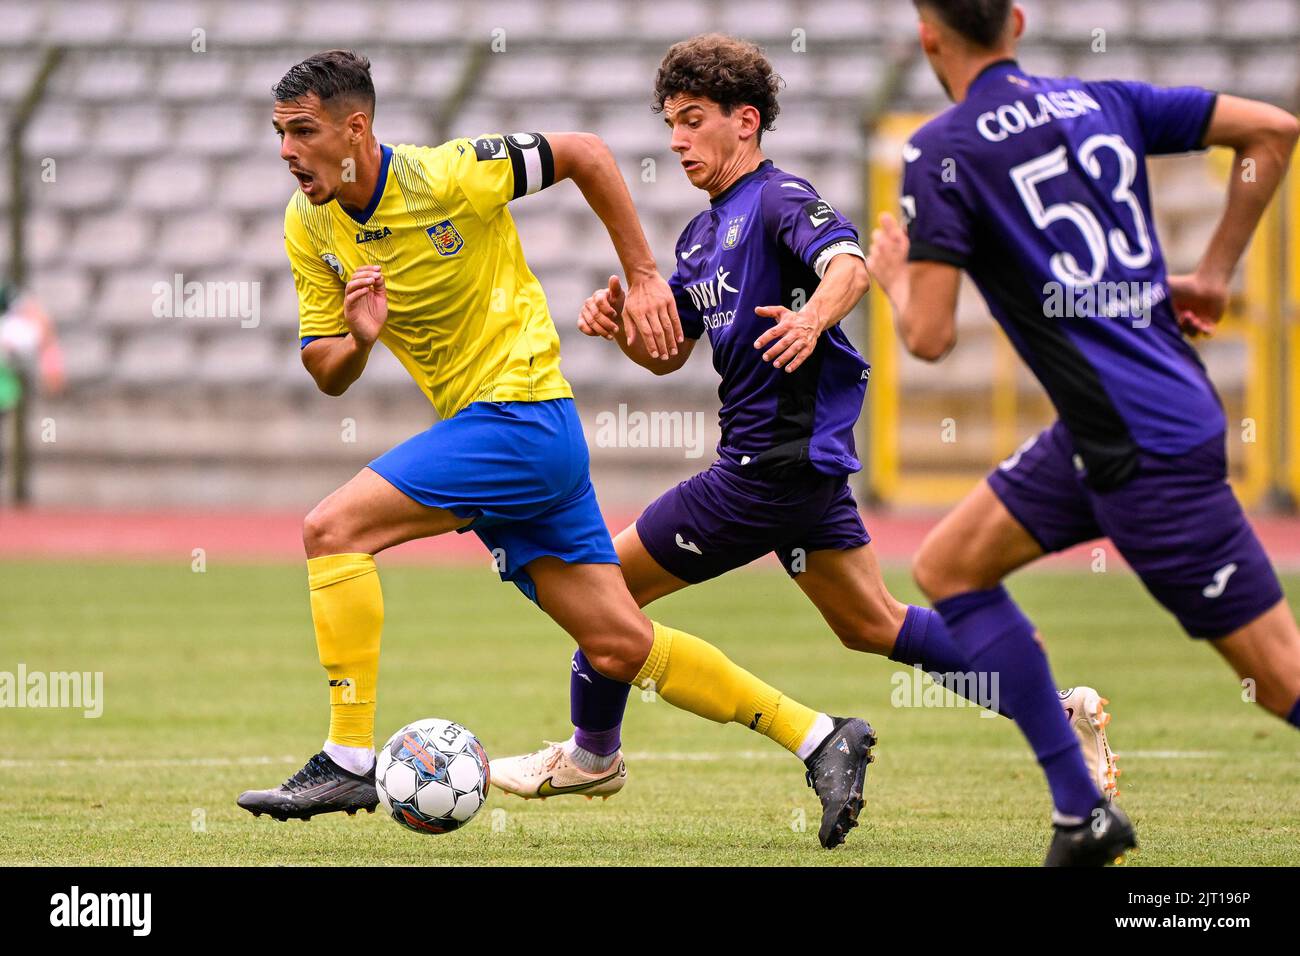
x=1220 y=582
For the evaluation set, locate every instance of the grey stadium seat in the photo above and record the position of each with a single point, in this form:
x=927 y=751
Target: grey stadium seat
x=157 y=358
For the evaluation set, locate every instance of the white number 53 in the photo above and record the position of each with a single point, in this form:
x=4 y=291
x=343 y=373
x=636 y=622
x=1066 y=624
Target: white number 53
x=1064 y=266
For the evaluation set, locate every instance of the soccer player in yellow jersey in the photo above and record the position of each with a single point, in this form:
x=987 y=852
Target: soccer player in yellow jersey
x=414 y=247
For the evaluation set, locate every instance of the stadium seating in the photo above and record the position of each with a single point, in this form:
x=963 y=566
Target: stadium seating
x=166 y=163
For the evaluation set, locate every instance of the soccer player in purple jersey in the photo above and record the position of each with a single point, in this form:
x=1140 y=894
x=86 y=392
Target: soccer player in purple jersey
x=768 y=271
x=1037 y=187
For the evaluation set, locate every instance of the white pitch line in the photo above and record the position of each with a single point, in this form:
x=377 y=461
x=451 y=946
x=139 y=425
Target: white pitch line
x=151 y=762
x=682 y=756
x=706 y=756
x=666 y=756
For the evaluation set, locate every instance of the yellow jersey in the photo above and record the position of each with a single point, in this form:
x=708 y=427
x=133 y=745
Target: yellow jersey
x=466 y=316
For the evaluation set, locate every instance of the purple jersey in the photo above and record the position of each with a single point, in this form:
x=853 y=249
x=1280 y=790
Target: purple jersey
x=766 y=241
x=1037 y=187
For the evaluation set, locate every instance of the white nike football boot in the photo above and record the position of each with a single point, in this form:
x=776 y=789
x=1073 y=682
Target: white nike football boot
x=1085 y=709
x=550 y=772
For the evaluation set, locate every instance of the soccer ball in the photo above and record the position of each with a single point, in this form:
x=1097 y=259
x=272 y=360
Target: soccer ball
x=432 y=776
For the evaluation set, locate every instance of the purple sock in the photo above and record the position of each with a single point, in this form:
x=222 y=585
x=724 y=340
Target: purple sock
x=1293 y=718
x=999 y=640
x=596 y=706
x=924 y=642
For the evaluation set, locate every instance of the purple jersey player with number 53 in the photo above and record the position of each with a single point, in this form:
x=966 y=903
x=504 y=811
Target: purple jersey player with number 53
x=1037 y=187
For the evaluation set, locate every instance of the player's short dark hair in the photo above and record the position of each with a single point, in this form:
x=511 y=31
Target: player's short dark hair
x=330 y=75
x=727 y=70
x=979 y=21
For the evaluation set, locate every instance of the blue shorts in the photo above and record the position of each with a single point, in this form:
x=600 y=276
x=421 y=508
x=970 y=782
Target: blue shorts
x=520 y=471
x=723 y=518
x=1176 y=522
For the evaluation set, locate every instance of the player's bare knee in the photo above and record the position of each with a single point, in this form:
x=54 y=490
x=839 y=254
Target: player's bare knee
x=866 y=635
x=1264 y=692
x=618 y=649
x=1276 y=707
x=941 y=573
x=314 y=532
x=322 y=532
x=931 y=576
x=862 y=640
x=616 y=660
x=1275 y=694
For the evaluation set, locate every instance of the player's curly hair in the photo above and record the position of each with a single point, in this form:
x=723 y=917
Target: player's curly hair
x=730 y=71
x=979 y=21
x=333 y=73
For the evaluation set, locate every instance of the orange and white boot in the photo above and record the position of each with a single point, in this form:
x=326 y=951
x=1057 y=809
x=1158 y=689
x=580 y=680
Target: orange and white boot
x=1086 y=711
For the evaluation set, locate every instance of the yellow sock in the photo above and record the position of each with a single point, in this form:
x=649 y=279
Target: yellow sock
x=694 y=675
x=347 y=610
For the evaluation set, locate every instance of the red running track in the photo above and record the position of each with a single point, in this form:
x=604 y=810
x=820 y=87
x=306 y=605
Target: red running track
x=277 y=536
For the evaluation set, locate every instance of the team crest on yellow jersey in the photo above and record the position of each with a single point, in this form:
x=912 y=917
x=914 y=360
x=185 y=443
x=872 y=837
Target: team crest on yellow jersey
x=445 y=238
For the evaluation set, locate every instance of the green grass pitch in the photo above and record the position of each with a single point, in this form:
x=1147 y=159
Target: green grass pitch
x=211 y=686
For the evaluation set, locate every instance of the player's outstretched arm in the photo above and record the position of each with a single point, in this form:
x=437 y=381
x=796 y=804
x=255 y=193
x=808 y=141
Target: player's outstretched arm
x=602 y=314
x=337 y=361
x=1263 y=137
x=923 y=294
x=650 y=309
x=792 y=338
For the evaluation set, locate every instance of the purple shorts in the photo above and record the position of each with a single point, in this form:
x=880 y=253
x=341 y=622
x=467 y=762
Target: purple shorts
x=722 y=519
x=1176 y=522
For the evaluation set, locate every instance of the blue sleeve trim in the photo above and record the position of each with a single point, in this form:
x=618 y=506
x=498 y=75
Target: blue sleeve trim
x=307 y=340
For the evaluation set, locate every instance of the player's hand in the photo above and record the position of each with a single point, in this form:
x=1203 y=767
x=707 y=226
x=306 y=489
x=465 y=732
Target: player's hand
x=602 y=310
x=651 y=313
x=365 y=304
x=1198 y=303
x=795 y=336
x=887 y=257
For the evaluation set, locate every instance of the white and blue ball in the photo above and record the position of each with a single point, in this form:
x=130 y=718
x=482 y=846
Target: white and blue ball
x=432 y=776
